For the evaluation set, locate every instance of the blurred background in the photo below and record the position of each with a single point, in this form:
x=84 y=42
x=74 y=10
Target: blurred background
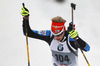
x=13 y=43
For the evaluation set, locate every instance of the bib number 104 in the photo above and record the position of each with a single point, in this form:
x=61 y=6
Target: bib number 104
x=62 y=58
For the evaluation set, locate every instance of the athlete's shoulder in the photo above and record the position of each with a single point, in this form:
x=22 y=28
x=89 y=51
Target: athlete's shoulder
x=43 y=32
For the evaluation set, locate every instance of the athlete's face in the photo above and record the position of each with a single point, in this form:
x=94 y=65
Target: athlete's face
x=59 y=38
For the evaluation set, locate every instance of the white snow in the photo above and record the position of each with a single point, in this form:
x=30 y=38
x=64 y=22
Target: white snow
x=12 y=41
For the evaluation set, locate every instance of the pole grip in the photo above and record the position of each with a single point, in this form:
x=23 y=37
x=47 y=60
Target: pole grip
x=23 y=4
x=73 y=6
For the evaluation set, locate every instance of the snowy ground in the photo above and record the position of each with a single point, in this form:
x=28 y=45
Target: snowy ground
x=12 y=42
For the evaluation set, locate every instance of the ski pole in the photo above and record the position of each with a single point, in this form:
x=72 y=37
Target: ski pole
x=27 y=41
x=73 y=8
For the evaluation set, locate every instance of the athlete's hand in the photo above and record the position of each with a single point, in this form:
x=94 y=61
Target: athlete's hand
x=73 y=34
x=25 y=11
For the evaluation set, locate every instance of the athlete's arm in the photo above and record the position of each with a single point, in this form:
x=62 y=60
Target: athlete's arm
x=84 y=46
x=43 y=35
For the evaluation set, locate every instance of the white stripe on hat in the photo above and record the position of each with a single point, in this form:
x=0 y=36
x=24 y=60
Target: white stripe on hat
x=57 y=33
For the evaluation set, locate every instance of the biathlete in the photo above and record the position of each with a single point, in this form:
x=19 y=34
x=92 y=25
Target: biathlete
x=61 y=40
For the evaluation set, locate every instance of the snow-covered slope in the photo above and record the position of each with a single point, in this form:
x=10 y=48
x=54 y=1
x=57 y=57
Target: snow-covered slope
x=12 y=41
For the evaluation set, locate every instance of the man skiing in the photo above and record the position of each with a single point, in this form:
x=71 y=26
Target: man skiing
x=62 y=42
